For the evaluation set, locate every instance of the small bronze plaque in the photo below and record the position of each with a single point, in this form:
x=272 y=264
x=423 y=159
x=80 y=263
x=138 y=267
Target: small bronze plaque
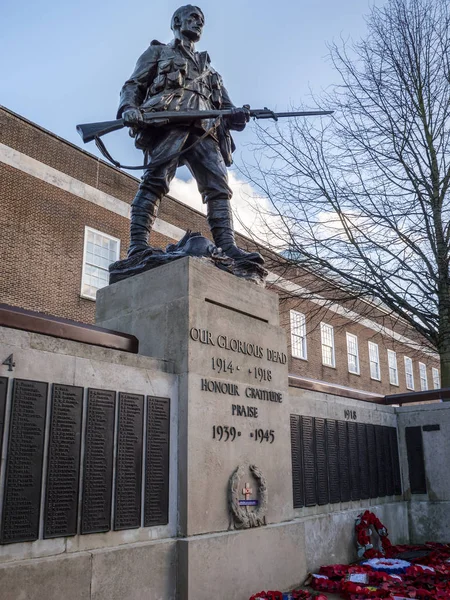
x=156 y=505
x=435 y=427
x=61 y=498
x=127 y=513
x=98 y=462
x=22 y=495
x=3 y=391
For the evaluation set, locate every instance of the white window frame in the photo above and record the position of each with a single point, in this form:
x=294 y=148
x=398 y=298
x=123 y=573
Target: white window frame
x=352 y=338
x=436 y=378
x=84 y=274
x=423 y=377
x=409 y=385
x=324 y=327
x=393 y=367
x=298 y=335
x=376 y=376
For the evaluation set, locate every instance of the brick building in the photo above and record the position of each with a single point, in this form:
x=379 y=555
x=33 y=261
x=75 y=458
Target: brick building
x=65 y=217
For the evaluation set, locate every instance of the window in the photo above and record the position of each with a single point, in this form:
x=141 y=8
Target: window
x=352 y=353
x=327 y=335
x=436 y=378
x=409 y=373
x=393 y=370
x=100 y=250
x=423 y=376
x=298 y=334
x=374 y=359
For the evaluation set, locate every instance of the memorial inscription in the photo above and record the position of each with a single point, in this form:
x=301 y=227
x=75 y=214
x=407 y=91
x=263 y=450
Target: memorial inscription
x=248 y=382
x=61 y=499
x=127 y=514
x=232 y=389
x=156 y=503
x=98 y=462
x=3 y=391
x=22 y=496
x=225 y=342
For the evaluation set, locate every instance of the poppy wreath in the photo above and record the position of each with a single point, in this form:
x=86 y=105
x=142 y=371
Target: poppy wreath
x=389 y=565
x=267 y=596
x=364 y=525
x=335 y=571
x=294 y=595
x=322 y=583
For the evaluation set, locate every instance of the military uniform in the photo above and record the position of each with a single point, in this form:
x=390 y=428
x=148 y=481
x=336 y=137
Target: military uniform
x=171 y=77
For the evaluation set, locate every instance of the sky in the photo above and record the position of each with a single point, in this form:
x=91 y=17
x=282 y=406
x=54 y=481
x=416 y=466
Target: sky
x=64 y=62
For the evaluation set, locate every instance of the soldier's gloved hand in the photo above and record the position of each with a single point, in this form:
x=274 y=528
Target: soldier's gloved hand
x=239 y=118
x=132 y=116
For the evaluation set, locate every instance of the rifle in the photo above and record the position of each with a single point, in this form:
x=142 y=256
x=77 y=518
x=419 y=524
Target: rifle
x=93 y=131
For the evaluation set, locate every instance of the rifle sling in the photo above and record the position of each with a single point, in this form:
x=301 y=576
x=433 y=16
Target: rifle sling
x=101 y=146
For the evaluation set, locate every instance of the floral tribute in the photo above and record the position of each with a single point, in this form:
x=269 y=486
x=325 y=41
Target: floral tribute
x=382 y=574
x=364 y=526
x=294 y=595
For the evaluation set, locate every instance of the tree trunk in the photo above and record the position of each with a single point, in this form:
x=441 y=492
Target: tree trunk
x=444 y=353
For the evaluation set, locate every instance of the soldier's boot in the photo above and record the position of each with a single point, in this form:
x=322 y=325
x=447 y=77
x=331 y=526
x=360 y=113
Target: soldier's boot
x=144 y=210
x=220 y=221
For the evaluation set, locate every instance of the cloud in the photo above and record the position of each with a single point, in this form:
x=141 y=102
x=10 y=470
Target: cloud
x=252 y=215
x=187 y=192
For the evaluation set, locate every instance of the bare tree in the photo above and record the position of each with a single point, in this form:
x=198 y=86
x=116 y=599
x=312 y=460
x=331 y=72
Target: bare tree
x=362 y=198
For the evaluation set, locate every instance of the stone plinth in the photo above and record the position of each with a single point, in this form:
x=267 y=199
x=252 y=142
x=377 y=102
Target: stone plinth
x=223 y=336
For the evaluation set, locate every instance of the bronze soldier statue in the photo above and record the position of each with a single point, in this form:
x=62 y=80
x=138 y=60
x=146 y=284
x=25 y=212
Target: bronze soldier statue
x=174 y=77
x=179 y=112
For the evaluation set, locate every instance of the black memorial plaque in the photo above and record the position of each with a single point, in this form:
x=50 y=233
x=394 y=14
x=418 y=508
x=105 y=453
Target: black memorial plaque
x=3 y=390
x=297 y=468
x=323 y=496
x=363 y=461
x=61 y=498
x=22 y=495
x=355 y=481
x=379 y=436
x=344 y=469
x=309 y=461
x=395 y=461
x=98 y=462
x=416 y=460
x=333 y=461
x=373 y=468
x=127 y=513
x=156 y=498
x=388 y=462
